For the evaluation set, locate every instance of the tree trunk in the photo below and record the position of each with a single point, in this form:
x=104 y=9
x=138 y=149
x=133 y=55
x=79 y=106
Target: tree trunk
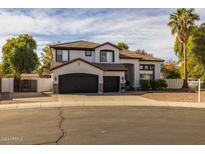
x=185 y=82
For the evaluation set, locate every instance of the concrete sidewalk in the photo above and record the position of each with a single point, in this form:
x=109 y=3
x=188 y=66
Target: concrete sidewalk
x=64 y=103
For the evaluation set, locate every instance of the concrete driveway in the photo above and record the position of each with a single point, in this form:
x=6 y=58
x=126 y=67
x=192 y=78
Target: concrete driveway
x=103 y=125
x=92 y=100
x=105 y=99
x=78 y=100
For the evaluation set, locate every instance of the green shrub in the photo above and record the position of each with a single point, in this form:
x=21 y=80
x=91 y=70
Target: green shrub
x=145 y=84
x=154 y=84
x=162 y=84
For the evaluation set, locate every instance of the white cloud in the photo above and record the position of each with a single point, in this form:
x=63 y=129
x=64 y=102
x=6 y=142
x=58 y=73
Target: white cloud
x=149 y=33
x=40 y=23
x=140 y=28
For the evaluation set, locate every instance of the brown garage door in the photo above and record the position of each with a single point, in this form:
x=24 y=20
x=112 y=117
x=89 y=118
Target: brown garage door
x=78 y=83
x=111 y=83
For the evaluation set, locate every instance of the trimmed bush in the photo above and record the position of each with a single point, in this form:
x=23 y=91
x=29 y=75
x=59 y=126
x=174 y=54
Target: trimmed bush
x=153 y=84
x=163 y=84
x=145 y=84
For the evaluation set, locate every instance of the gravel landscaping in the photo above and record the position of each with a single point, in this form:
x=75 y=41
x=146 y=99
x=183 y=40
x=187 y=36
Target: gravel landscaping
x=172 y=95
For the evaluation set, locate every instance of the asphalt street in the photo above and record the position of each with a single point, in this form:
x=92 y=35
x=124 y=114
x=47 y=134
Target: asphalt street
x=103 y=125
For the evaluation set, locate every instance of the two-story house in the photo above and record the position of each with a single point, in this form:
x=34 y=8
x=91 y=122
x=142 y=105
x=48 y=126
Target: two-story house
x=88 y=67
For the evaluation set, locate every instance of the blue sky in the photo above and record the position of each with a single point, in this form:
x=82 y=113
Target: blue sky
x=140 y=28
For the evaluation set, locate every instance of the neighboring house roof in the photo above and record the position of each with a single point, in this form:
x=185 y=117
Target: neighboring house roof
x=104 y=67
x=126 y=54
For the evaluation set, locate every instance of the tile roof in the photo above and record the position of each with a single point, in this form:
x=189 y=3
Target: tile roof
x=81 y=45
x=76 y=44
x=126 y=54
x=111 y=67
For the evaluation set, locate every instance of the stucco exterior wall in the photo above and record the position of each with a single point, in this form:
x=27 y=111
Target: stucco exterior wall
x=74 y=54
x=107 y=47
x=7 y=85
x=157 y=68
x=44 y=84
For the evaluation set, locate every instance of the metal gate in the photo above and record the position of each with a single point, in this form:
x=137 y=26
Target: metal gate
x=25 y=85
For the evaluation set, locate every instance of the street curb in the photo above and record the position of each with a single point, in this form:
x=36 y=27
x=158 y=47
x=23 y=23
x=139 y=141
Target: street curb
x=98 y=104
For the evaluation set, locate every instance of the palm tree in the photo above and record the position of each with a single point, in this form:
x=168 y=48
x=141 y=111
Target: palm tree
x=181 y=23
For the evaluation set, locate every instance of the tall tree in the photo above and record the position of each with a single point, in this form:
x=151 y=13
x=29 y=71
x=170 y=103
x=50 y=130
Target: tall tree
x=19 y=55
x=170 y=70
x=45 y=60
x=195 y=49
x=122 y=45
x=0 y=68
x=198 y=43
x=181 y=23
x=47 y=57
x=8 y=51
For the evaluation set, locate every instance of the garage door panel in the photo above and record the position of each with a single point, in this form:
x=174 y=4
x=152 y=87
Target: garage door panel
x=78 y=83
x=111 y=83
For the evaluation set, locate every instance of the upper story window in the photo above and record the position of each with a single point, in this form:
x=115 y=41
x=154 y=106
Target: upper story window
x=88 y=53
x=62 y=55
x=107 y=56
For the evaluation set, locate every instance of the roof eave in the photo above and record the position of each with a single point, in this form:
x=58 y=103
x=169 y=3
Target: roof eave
x=141 y=59
x=130 y=58
x=153 y=60
x=73 y=48
x=107 y=43
x=74 y=61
